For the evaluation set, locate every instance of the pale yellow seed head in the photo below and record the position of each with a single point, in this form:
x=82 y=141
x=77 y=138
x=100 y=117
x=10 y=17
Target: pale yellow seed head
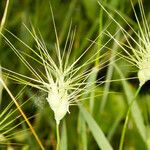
x=144 y=69
x=144 y=75
x=58 y=99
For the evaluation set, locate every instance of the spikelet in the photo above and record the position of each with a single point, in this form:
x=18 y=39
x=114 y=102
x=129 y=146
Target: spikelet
x=63 y=80
x=137 y=49
x=141 y=52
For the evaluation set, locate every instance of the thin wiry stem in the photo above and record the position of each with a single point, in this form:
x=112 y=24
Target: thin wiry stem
x=58 y=137
x=127 y=118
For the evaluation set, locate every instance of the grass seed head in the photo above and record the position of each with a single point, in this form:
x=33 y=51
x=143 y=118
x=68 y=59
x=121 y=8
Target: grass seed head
x=142 y=50
x=137 y=48
x=64 y=81
x=144 y=66
x=58 y=99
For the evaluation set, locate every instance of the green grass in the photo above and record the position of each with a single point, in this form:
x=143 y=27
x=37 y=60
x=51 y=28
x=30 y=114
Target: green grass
x=91 y=50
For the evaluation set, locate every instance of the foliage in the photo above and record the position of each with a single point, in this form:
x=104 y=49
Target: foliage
x=105 y=42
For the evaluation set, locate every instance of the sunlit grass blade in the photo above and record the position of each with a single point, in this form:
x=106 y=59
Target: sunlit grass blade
x=96 y=131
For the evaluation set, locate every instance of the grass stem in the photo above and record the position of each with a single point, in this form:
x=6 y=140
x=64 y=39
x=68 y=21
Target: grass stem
x=127 y=118
x=58 y=137
x=4 y=16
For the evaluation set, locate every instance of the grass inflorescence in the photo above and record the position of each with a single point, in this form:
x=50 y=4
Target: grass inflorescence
x=97 y=61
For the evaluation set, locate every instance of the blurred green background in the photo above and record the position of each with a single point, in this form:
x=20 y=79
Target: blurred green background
x=109 y=109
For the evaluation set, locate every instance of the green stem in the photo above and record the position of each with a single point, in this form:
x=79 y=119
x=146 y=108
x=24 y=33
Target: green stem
x=4 y=16
x=22 y=113
x=127 y=118
x=58 y=137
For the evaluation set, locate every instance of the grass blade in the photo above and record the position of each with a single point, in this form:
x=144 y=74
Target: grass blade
x=83 y=144
x=4 y=16
x=63 y=142
x=135 y=111
x=98 y=134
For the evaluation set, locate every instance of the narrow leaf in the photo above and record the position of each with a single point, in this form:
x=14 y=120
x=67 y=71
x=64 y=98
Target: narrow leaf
x=96 y=131
x=63 y=142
